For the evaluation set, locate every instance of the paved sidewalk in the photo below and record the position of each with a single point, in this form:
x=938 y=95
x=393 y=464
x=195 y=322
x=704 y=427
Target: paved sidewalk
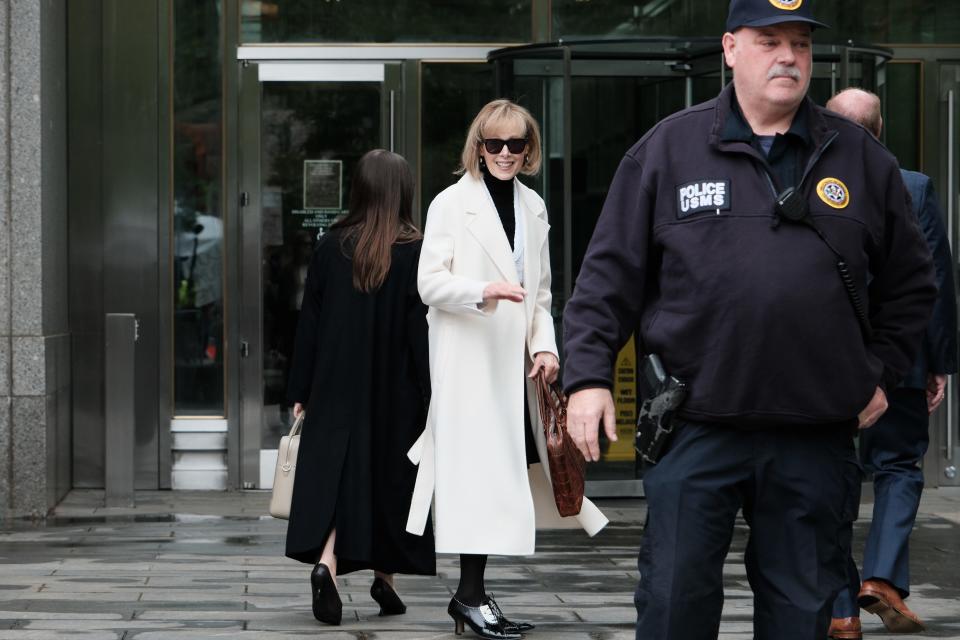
x=211 y=565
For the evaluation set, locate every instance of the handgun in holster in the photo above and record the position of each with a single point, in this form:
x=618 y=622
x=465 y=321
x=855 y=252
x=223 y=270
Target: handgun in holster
x=661 y=396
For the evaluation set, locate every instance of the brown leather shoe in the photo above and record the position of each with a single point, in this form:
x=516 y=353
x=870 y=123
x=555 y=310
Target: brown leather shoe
x=845 y=629
x=879 y=597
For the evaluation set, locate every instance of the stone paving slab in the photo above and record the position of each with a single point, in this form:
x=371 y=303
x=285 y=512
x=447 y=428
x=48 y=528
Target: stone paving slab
x=211 y=565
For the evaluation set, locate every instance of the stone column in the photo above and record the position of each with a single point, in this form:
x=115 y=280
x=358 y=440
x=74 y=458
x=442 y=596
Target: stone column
x=34 y=334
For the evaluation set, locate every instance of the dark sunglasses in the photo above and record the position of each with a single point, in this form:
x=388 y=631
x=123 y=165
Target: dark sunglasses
x=514 y=145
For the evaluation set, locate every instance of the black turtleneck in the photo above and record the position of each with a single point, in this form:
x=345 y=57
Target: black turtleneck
x=501 y=191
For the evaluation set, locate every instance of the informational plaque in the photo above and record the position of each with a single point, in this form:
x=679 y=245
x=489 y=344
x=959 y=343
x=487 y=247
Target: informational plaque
x=323 y=184
x=625 y=403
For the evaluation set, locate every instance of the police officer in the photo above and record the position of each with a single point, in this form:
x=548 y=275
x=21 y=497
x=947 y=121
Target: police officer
x=788 y=322
x=893 y=449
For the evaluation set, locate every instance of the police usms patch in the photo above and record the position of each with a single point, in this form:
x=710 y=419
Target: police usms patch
x=703 y=195
x=833 y=192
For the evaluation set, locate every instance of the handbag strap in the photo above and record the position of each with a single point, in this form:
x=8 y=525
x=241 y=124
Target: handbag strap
x=286 y=465
x=297 y=424
x=550 y=401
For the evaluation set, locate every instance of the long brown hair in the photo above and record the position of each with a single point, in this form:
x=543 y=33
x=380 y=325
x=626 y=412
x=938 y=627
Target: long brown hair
x=381 y=205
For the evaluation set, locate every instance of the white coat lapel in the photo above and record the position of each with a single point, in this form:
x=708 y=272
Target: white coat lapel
x=484 y=225
x=536 y=234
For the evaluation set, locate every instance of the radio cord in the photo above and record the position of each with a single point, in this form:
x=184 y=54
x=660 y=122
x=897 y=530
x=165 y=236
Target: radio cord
x=852 y=290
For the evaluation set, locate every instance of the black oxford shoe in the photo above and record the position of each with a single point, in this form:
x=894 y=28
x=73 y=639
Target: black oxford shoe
x=521 y=627
x=481 y=620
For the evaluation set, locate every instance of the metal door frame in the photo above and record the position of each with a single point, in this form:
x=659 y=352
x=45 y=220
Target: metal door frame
x=248 y=345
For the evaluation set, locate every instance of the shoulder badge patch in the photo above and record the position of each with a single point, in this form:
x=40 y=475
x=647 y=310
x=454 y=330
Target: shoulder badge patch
x=834 y=193
x=787 y=5
x=703 y=195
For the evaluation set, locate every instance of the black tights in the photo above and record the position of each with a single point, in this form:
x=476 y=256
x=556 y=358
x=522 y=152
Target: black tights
x=470 y=590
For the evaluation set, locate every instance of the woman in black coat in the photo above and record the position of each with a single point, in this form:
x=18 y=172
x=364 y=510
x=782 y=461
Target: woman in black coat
x=360 y=372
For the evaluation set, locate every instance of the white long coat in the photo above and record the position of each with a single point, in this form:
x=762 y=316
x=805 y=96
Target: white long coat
x=471 y=456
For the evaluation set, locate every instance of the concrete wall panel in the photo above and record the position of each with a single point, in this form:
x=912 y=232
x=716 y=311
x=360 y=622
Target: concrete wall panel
x=26 y=169
x=53 y=178
x=34 y=332
x=29 y=366
x=4 y=176
x=6 y=442
x=29 y=469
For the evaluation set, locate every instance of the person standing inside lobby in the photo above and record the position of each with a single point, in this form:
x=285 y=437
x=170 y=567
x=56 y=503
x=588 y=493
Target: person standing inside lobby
x=893 y=449
x=764 y=249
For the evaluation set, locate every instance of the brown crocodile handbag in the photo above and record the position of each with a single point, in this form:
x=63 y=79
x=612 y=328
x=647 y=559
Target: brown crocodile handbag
x=566 y=461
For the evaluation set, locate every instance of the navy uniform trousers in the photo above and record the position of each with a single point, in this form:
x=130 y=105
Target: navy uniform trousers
x=798 y=490
x=892 y=449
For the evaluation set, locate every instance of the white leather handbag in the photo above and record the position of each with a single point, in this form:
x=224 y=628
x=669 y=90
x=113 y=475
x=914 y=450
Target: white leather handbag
x=286 y=470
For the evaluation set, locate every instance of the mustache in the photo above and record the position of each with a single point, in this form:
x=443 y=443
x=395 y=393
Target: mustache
x=781 y=70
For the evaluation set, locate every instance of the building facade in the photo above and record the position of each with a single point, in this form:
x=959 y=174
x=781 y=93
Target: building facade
x=176 y=159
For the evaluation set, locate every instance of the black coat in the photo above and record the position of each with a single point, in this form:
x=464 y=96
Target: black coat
x=360 y=367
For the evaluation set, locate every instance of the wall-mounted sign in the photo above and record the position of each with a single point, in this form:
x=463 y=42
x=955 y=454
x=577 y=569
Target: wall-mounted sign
x=625 y=402
x=323 y=184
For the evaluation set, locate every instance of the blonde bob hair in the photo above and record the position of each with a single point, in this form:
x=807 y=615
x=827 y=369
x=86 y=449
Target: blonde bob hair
x=491 y=115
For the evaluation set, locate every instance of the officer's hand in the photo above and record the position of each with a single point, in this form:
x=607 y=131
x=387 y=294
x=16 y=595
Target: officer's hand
x=936 y=383
x=297 y=409
x=585 y=409
x=873 y=411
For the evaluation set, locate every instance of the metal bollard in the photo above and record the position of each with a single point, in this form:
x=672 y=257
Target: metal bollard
x=119 y=358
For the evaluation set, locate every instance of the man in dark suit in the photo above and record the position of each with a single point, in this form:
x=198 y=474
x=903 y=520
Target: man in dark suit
x=893 y=449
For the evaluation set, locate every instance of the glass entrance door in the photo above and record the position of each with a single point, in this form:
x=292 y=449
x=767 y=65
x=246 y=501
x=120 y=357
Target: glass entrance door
x=945 y=431
x=304 y=126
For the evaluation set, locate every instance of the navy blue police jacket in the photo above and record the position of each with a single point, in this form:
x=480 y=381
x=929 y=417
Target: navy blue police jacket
x=752 y=313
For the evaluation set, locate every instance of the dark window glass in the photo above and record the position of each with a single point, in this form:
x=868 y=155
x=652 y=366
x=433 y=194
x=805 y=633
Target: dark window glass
x=452 y=94
x=609 y=114
x=312 y=135
x=882 y=21
x=901 y=121
x=386 y=21
x=197 y=217
x=621 y=18
x=893 y=21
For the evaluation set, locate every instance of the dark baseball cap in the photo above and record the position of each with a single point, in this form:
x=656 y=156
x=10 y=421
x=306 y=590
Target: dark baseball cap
x=763 y=13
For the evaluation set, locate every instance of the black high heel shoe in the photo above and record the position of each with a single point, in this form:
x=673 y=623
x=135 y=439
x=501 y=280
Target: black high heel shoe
x=390 y=603
x=521 y=627
x=481 y=620
x=327 y=606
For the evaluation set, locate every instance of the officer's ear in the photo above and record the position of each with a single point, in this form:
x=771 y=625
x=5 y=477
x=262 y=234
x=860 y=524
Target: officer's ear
x=729 y=42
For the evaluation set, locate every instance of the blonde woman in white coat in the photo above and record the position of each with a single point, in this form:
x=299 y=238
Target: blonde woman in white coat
x=485 y=275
